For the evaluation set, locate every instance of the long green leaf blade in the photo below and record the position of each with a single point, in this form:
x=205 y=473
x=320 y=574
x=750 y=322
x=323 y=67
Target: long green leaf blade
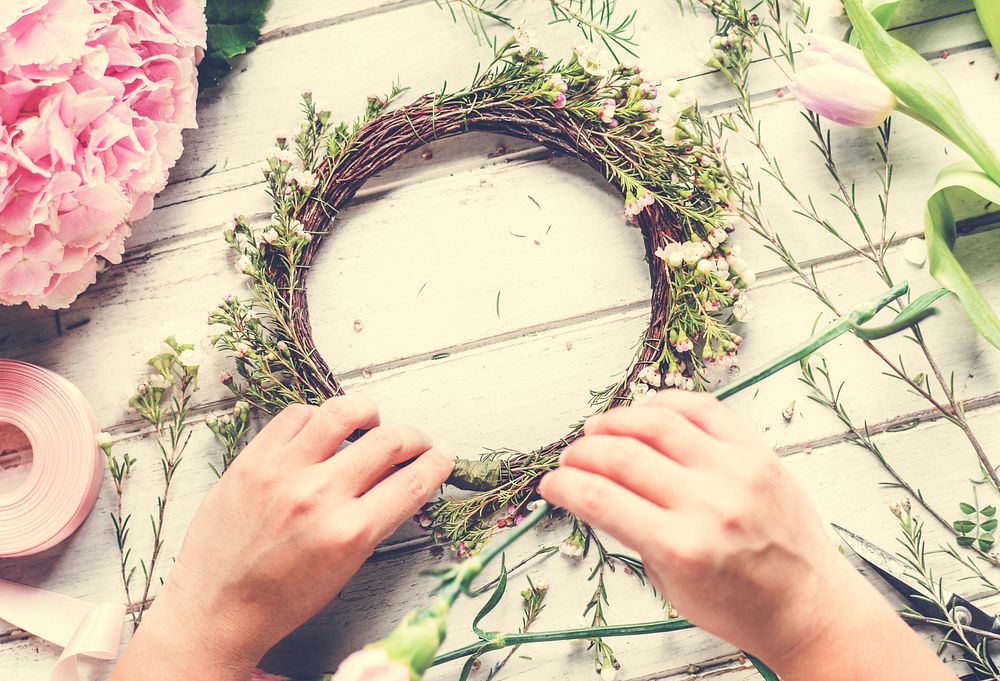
x=939 y=230
x=989 y=17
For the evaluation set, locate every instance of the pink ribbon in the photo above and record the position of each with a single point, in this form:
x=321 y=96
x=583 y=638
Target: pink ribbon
x=48 y=507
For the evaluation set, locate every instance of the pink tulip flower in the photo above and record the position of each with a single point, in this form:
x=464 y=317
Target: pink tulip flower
x=837 y=83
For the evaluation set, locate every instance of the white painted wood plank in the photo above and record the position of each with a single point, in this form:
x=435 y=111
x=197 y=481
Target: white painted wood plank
x=452 y=235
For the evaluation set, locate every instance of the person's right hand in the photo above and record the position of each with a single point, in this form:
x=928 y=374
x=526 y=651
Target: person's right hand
x=732 y=540
x=279 y=535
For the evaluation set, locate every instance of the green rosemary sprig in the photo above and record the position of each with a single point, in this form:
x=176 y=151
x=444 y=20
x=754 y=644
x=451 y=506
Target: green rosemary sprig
x=598 y=22
x=162 y=399
x=914 y=553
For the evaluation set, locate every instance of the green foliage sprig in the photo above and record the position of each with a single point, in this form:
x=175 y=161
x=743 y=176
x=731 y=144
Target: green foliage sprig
x=162 y=399
x=977 y=526
x=598 y=21
x=230 y=430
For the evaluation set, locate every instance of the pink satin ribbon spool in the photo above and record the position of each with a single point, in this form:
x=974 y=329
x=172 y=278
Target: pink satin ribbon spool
x=56 y=497
x=66 y=470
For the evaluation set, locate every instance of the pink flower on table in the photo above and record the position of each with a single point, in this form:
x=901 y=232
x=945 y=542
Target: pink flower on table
x=44 y=33
x=837 y=83
x=371 y=664
x=94 y=95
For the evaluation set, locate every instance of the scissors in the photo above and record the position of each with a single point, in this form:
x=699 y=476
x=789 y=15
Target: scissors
x=894 y=571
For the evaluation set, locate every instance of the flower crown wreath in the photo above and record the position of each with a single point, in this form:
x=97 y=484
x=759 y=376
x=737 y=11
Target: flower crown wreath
x=649 y=141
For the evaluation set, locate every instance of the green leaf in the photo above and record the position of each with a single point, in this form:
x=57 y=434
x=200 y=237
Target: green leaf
x=986 y=541
x=967 y=509
x=988 y=511
x=233 y=30
x=965 y=541
x=964 y=526
x=989 y=525
x=882 y=10
x=914 y=313
x=493 y=601
x=923 y=93
x=939 y=230
x=989 y=17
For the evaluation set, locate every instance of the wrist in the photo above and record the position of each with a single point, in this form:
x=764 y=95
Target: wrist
x=181 y=640
x=853 y=633
x=822 y=614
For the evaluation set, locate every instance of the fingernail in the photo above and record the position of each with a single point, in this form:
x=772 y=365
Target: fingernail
x=446 y=454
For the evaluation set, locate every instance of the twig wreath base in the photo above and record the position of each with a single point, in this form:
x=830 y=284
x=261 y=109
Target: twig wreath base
x=650 y=143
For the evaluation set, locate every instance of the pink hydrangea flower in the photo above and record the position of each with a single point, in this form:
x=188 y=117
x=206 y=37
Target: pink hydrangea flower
x=93 y=97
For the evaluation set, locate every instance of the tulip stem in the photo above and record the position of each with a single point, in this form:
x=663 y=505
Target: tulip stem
x=852 y=320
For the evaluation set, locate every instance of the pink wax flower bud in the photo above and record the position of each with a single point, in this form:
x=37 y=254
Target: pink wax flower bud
x=837 y=83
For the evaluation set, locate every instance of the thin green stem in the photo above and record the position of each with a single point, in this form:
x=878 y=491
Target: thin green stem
x=506 y=640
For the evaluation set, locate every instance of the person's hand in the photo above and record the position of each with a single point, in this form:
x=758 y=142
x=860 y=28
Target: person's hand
x=730 y=537
x=278 y=537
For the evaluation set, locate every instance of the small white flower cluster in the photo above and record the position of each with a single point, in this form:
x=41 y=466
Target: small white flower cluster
x=739 y=267
x=670 y=108
x=681 y=342
x=743 y=308
x=689 y=252
x=303 y=178
x=524 y=37
x=650 y=379
x=175 y=362
x=650 y=375
x=245 y=265
x=591 y=60
x=571 y=549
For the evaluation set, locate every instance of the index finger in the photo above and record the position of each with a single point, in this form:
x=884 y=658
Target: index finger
x=401 y=495
x=708 y=413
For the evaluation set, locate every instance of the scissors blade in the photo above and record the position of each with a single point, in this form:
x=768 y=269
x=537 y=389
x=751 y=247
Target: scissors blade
x=894 y=571
x=890 y=568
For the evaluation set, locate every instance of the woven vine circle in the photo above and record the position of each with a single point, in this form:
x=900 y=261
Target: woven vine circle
x=387 y=138
x=654 y=149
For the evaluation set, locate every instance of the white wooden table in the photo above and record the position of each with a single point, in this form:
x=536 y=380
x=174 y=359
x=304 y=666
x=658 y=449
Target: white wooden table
x=420 y=260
